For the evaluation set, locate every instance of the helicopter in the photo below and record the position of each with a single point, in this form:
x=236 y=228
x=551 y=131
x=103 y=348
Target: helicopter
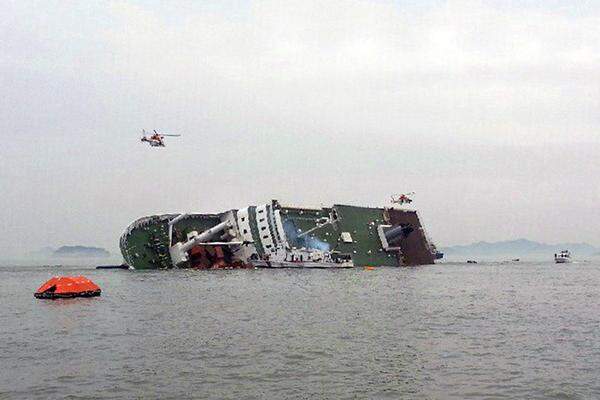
x=155 y=140
x=402 y=198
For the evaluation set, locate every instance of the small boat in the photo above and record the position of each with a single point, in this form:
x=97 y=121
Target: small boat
x=61 y=287
x=471 y=262
x=122 y=266
x=563 y=257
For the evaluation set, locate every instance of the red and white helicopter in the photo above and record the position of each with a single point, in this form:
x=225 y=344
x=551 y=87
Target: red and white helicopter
x=155 y=140
x=402 y=198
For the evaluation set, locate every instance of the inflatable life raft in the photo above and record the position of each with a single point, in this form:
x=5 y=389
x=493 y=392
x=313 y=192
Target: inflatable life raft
x=60 y=287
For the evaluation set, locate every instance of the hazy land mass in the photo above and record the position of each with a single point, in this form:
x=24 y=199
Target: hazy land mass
x=76 y=251
x=519 y=248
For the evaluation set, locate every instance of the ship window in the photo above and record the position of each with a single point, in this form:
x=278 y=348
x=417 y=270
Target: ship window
x=243 y=219
x=263 y=228
x=268 y=246
x=245 y=230
x=261 y=220
x=260 y=211
x=266 y=237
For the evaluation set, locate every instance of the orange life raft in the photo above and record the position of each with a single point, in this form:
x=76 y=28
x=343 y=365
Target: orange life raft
x=67 y=286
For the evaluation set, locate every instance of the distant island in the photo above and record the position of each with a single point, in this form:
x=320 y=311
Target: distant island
x=80 y=251
x=519 y=248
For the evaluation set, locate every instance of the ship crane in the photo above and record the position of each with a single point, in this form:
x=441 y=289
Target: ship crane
x=179 y=250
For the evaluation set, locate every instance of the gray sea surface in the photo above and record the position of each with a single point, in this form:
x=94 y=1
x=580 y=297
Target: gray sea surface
x=450 y=331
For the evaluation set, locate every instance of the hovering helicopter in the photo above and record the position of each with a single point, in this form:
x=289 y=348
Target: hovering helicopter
x=402 y=198
x=155 y=140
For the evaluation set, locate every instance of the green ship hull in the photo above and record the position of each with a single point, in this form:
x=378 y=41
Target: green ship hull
x=272 y=235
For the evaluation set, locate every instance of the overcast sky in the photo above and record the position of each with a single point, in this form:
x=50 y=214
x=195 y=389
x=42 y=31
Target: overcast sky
x=489 y=111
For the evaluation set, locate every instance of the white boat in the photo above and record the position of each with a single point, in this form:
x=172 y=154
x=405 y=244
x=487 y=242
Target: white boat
x=563 y=257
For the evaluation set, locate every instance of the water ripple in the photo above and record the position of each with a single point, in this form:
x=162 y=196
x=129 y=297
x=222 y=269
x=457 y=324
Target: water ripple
x=446 y=331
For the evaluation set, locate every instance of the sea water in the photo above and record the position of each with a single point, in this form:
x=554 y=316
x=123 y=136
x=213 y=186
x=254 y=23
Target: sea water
x=449 y=331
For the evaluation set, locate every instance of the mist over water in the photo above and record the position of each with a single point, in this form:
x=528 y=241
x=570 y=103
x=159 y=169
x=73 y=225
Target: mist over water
x=452 y=331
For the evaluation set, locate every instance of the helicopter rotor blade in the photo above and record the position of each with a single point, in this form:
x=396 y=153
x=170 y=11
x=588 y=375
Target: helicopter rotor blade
x=164 y=134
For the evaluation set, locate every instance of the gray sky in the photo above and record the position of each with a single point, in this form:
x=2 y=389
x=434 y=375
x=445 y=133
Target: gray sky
x=488 y=110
